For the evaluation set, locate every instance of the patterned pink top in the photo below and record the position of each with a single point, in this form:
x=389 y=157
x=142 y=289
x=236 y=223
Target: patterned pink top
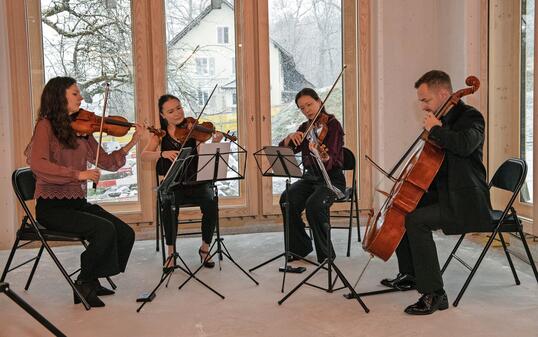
x=56 y=167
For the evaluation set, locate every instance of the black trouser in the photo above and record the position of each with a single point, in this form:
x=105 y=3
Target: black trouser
x=201 y=195
x=110 y=239
x=314 y=196
x=417 y=254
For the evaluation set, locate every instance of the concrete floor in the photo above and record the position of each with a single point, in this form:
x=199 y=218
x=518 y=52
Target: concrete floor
x=492 y=306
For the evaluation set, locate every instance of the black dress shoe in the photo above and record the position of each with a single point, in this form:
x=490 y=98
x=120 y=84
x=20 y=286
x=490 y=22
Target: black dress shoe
x=428 y=304
x=102 y=291
x=88 y=290
x=402 y=282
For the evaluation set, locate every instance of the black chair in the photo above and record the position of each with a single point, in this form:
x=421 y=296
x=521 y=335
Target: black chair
x=23 y=182
x=350 y=196
x=510 y=176
x=159 y=227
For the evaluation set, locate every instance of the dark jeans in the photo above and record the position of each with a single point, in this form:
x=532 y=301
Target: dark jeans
x=201 y=195
x=311 y=196
x=417 y=254
x=110 y=239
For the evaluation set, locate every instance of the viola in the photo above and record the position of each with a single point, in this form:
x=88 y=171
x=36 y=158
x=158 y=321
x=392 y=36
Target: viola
x=87 y=122
x=200 y=132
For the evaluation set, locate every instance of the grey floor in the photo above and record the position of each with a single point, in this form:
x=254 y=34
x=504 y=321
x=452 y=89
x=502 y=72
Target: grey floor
x=492 y=306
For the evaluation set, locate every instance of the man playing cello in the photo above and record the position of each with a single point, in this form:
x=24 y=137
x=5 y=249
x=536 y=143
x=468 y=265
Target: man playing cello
x=458 y=198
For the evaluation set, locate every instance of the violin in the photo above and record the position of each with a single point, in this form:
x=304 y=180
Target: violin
x=200 y=132
x=321 y=129
x=87 y=122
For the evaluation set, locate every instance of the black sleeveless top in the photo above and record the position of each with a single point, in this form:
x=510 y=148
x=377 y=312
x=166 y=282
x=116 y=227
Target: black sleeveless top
x=168 y=143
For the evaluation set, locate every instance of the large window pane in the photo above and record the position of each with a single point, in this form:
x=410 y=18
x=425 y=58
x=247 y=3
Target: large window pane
x=201 y=53
x=527 y=97
x=305 y=49
x=90 y=40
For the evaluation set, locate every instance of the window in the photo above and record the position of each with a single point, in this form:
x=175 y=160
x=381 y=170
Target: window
x=234 y=98
x=202 y=66
x=527 y=97
x=305 y=50
x=222 y=35
x=203 y=95
x=90 y=40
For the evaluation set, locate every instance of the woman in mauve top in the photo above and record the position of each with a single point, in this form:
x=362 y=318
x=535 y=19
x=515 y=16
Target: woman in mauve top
x=311 y=193
x=59 y=158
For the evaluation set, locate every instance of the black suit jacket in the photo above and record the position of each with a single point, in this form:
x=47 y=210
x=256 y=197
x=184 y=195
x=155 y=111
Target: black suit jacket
x=461 y=185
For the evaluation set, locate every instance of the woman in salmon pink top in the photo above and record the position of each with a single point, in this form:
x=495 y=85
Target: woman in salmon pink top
x=59 y=158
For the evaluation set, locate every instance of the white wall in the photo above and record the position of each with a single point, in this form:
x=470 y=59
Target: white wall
x=409 y=38
x=7 y=199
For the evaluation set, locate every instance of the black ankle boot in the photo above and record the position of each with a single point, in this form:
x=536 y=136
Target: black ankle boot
x=88 y=290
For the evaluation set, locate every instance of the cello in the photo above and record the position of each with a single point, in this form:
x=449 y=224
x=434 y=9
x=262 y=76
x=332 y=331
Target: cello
x=422 y=162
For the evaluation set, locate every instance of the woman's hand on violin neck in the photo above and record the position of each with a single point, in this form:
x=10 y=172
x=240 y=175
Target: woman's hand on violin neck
x=217 y=137
x=294 y=138
x=93 y=175
x=170 y=155
x=140 y=131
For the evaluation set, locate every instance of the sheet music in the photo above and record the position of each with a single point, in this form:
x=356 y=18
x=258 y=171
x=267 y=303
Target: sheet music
x=206 y=161
x=289 y=159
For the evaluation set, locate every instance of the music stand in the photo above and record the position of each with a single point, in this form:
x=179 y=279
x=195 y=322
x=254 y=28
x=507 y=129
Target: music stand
x=286 y=163
x=276 y=161
x=4 y=288
x=165 y=191
x=215 y=165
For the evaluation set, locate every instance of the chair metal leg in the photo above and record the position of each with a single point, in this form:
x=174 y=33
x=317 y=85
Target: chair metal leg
x=34 y=267
x=529 y=255
x=473 y=271
x=10 y=259
x=516 y=278
x=452 y=253
x=157 y=225
x=357 y=215
x=350 y=226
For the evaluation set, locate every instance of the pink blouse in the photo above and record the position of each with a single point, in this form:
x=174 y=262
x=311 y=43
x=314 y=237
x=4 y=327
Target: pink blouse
x=56 y=167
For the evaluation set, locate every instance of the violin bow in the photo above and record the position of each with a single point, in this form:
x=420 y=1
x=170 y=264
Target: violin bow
x=188 y=57
x=107 y=89
x=305 y=133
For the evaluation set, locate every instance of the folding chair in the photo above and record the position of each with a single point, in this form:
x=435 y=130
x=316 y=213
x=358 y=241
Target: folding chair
x=510 y=176
x=23 y=182
x=350 y=196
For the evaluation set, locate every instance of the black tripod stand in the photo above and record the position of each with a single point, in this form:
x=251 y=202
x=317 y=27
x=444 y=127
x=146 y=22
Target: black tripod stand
x=329 y=265
x=4 y=288
x=209 y=158
x=281 y=163
x=166 y=194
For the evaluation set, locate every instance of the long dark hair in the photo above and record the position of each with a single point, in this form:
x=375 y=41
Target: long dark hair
x=308 y=92
x=53 y=107
x=163 y=99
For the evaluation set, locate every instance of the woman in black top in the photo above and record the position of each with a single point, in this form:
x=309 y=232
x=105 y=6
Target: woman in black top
x=172 y=116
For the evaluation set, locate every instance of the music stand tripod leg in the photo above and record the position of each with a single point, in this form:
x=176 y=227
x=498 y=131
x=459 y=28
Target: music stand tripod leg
x=4 y=287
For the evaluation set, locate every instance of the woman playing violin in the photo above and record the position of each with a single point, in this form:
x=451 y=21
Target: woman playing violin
x=58 y=157
x=311 y=192
x=174 y=123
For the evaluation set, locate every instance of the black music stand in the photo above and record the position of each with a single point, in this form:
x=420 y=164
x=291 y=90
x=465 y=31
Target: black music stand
x=275 y=161
x=328 y=264
x=215 y=164
x=165 y=191
x=4 y=288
